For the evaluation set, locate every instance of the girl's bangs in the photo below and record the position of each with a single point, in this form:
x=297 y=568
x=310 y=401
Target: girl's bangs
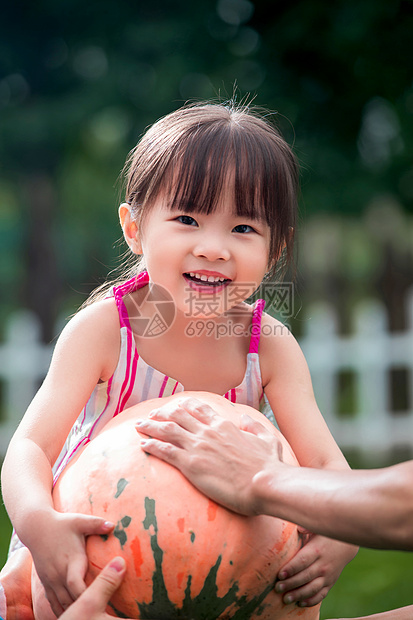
x=214 y=168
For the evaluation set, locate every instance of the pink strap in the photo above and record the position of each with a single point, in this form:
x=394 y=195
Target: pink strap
x=256 y=325
x=123 y=289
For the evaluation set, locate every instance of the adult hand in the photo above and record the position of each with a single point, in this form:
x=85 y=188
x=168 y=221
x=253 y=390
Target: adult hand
x=220 y=459
x=92 y=603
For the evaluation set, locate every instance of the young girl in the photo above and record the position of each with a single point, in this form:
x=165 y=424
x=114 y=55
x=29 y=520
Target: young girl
x=210 y=206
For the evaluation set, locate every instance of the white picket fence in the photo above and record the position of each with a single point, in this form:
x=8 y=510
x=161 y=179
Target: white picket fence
x=369 y=354
x=24 y=361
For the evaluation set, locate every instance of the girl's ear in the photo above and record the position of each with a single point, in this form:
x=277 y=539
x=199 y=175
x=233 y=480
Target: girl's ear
x=130 y=228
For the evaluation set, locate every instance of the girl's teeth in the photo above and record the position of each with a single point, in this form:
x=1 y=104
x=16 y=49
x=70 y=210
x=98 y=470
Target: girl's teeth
x=205 y=278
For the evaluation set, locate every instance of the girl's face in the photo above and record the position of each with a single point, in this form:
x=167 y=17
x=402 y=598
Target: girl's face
x=209 y=263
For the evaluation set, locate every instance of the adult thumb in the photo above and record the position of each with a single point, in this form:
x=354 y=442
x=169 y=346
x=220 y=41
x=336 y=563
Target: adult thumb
x=109 y=579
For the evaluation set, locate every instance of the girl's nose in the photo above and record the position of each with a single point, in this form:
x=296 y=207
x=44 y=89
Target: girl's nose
x=212 y=248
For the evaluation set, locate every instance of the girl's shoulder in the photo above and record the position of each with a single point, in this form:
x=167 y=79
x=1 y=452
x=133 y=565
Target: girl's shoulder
x=98 y=315
x=274 y=333
x=272 y=327
x=279 y=350
x=96 y=328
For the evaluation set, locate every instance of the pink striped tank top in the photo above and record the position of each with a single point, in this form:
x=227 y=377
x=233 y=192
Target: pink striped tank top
x=135 y=381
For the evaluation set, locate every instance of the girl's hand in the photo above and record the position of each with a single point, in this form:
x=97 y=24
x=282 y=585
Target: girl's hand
x=308 y=577
x=58 y=550
x=92 y=603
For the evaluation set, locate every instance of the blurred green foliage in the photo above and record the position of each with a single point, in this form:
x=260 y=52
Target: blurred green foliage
x=80 y=81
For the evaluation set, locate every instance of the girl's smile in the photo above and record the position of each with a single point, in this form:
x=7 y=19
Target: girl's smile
x=206 y=281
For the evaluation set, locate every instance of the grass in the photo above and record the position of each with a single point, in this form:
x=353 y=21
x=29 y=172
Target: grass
x=374 y=581
x=5 y=533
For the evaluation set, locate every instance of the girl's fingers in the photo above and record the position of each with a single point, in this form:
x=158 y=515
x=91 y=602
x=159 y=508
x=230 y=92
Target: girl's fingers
x=311 y=594
x=303 y=562
x=59 y=599
x=75 y=575
x=89 y=525
x=317 y=598
x=298 y=580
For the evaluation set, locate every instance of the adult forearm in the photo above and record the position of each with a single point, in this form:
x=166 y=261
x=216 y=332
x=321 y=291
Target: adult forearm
x=373 y=508
x=27 y=481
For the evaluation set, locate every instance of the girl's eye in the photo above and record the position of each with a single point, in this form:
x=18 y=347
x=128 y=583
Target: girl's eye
x=243 y=228
x=187 y=220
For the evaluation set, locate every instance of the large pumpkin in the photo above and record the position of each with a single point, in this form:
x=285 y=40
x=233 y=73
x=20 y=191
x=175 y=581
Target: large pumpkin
x=187 y=557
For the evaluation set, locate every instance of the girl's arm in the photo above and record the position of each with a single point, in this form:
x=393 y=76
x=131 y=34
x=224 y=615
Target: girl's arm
x=288 y=387
x=85 y=352
x=308 y=577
